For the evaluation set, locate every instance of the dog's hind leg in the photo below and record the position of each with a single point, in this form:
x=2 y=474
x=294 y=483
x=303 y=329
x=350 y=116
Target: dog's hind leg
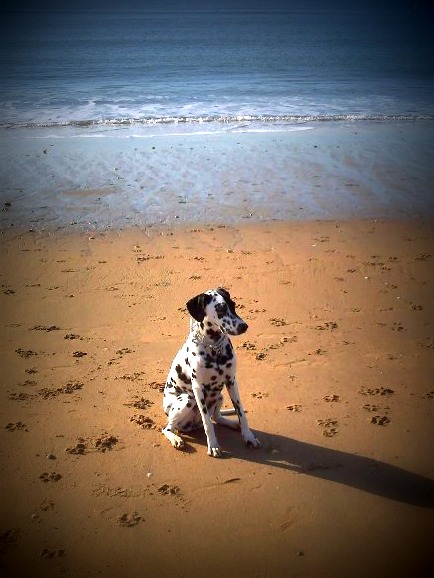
x=180 y=418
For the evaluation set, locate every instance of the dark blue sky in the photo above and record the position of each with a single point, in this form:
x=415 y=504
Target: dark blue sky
x=212 y=4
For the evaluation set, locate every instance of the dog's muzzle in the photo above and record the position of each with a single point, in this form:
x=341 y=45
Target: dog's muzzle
x=241 y=328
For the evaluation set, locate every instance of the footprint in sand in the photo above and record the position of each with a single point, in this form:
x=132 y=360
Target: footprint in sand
x=386 y=391
x=49 y=553
x=9 y=536
x=132 y=376
x=105 y=442
x=69 y=388
x=28 y=382
x=31 y=370
x=17 y=426
x=21 y=396
x=259 y=395
x=331 y=398
x=129 y=520
x=53 y=477
x=380 y=420
x=141 y=403
x=25 y=354
x=277 y=321
x=168 y=490
x=330 y=427
x=370 y=407
x=78 y=450
x=294 y=407
x=72 y=336
x=143 y=421
x=327 y=326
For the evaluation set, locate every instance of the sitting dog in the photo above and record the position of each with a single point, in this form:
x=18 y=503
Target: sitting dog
x=202 y=367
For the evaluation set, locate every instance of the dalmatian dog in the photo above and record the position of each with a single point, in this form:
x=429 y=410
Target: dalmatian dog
x=203 y=366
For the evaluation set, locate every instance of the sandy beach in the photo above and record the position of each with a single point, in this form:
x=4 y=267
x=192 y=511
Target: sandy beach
x=150 y=152
x=335 y=372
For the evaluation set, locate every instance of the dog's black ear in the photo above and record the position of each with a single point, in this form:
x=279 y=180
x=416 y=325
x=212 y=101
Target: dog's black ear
x=227 y=298
x=196 y=306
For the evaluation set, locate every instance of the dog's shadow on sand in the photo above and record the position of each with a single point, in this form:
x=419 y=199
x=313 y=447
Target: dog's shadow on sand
x=356 y=471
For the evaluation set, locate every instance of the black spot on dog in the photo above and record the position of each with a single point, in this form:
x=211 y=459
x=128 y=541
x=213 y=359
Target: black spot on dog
x=221 y=310
x=223 y=359
x=226 y=296
x=187 y=361
x=238 y=408
x=209 y=358
x=182 y=376
x=213 y=334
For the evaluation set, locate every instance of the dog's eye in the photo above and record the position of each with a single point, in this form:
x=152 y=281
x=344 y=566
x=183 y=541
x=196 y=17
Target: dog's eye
x=222 y=308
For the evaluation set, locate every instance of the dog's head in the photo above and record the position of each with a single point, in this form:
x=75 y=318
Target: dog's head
x=216 y=308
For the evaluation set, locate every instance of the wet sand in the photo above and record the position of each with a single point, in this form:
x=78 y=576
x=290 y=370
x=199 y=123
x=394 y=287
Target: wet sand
x=215 y=173
x=335 y=372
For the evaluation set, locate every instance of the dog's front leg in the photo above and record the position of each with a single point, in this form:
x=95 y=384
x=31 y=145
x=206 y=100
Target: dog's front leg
x=199 y=394
x=246 y=432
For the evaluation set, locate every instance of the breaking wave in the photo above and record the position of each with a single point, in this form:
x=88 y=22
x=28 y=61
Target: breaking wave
x=219 y=119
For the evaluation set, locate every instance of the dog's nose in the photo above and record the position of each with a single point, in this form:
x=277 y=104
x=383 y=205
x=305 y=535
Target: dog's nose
x=242 y=328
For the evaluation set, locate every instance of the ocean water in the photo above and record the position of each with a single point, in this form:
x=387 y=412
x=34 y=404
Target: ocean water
x=113 y=116
x=125 y=66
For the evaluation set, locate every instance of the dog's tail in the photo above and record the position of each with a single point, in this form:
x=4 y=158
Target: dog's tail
x=227 y=412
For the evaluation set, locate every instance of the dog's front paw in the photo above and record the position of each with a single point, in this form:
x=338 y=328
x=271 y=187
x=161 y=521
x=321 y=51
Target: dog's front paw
x=250 y=440
x=214 y=452
x=177 y=443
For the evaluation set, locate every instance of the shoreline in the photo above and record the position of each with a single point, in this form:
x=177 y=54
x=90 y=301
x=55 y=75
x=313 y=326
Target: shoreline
x=335 y=373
